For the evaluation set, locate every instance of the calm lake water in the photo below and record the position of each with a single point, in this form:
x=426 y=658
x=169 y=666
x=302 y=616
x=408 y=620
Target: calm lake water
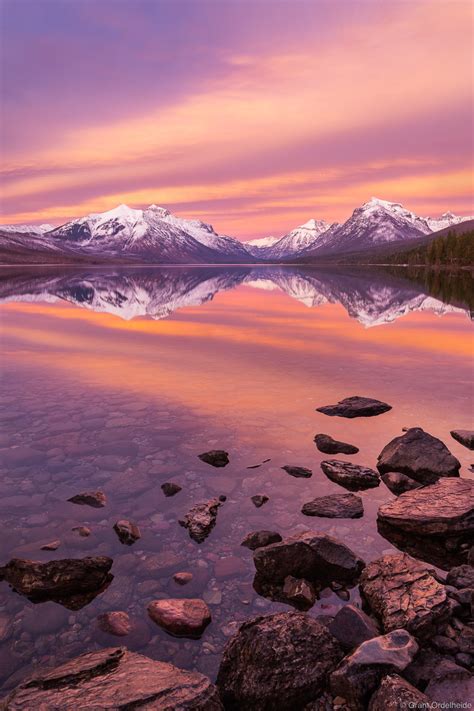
x=118 y=379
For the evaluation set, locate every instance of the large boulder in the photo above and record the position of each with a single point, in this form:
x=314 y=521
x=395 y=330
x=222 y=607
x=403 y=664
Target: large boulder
x=277 y=662
x=397 y=694
x=335 y=506
x=441 y=509
x=72 y=582
x=353 y=477
x=115 y=678
x=419 y=455
x=325 y=443
x=355 y=406
x=181 y=617
x=201 y=519
x=465 y=437
x=403 y=594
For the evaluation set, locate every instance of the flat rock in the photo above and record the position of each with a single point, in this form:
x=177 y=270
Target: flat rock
x=115 y=678
x=353 y=477
x=216 y=457
x=397 y=694
x=355 y=406
x=325 y=443
x=116 y=623
x=351 y=626
x=399 y=483
x=51 y=546
x=298 y=472
x=72 y=582
x=170 y=489
x=404 y=595
x=465 y=437
x=443 y=508
x=419 y=455
x=259 y=539
x=96 y=499
x=127 y=532
x=259 y=499
x=277 y=662
x=335 y=506
x=181 y=618
x=201 y=519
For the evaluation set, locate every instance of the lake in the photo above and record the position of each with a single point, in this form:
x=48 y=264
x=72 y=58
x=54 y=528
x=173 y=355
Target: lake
x=117 y=379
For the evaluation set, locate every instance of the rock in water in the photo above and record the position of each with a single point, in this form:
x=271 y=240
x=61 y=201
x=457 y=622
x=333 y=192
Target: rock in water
x=182 y=578
x=351 y=626
x=465 y=437
x=299 y=592
x=258 y=539
x=335 y=506
x=445 y=508
x=116 y=623
x=395 y=694
x=127 y=532
x=355 y=407
x=351 y=476
x=298 y=472
x=70 y=582
x=277 y=662
x=51 y=546
x=419 y=455
x=399 y=483
x=328 y=445
x=259 y=499
x=404 y=595
x=216 y=458
x=170 y=489
x=201 y=519
x=115 y=678
x=181 y=618
x=96 y=499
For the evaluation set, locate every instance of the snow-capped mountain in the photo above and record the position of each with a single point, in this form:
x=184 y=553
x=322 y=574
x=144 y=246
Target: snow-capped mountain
x=153 y=234
x=255 y=246
x=294 y=242
x=30 y=229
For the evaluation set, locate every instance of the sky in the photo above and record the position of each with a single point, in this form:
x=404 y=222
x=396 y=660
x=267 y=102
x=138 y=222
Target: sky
x=253 y=115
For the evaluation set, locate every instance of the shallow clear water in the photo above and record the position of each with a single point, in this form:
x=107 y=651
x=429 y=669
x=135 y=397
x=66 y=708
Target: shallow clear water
x=118 y=379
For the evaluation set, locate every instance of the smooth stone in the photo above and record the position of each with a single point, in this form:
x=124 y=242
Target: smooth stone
x=201 y=519
x=299 y=592
x=299 y=472
x=419 y=455
x=351 y=626
x=52 y=546
x=83 y=531
x=116 y=623
x=355 y=406
x=170 y=489
x=399 y=483
x=115 y=678
x=465 y=437
x=259 y=539
x=325 y=443
x=404 y=595
x=181 y=618
x=127 y=532
x=444 y=508
x=96 y=499
x=353 y=477
x=335 y=506
x=259 y=499
x=397 y=694
x=182 y=578
x=276 y=662
x=216 y=457
x=396 y=649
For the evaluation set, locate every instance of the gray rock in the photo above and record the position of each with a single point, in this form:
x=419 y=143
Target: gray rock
x=419 y=455
x=465 y=437
x=399 y=483
x=127 y=532
x=115 y=678
x=404 y=595
x=96 y=499
x=353 y=477
x=335 y=506
x=396 y=694
x=181 y=618
x=325 y=443
x=259 y=539
x=201 y=519
x=299 y=472
x=355 y=406
x=277 y=662
x=216 y=458
x=351 y=626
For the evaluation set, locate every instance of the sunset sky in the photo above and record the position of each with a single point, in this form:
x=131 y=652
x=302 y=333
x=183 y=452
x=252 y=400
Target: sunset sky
x=254 y=115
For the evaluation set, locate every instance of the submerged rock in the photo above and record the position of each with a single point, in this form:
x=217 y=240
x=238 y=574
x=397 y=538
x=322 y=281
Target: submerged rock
x=395 y=694
x=404 y=595
x=115 y=678
x=300 y=472
x=355 y=406
x=181 y=618
x=419 y=455
x=72 y=582
x=96 y=499
x=351 y=476
x=182 y=578
x=201 y=519
x=83 y=531
x=325 y=443
x=116 y=623
x=258 y=539
x=335 y=506
x=127 y=532
x=216 y=458
x=277 y=662
x=170 y=489
x=465 y=437
x=399 y=483
x=351 y=626
x=259 y=499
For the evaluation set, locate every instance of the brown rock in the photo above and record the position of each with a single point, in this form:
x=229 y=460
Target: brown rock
x=351 y=626
x=259 y=499
x=96 y=499
x=419 y=455
x=353 y=477
x=170 y=489
x=396 y=694
x=201 y=519
x=182 y=578
x=465 y=437
x=335 y=506
x=299 y=592
x=181 y=618
x=116 y=623
x=258 y=539
x=328 y=445
x=216 y=458
x=355 y=406
x=127 y=532
x=52 y=546
x=83 y=531
x=399 y=483
x=298 y=472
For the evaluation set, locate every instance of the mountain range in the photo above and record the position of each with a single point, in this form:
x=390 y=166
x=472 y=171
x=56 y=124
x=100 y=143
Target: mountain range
x=154 y=235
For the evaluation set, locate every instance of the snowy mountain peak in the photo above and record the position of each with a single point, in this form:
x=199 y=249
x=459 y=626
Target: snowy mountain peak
x=161 y=211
